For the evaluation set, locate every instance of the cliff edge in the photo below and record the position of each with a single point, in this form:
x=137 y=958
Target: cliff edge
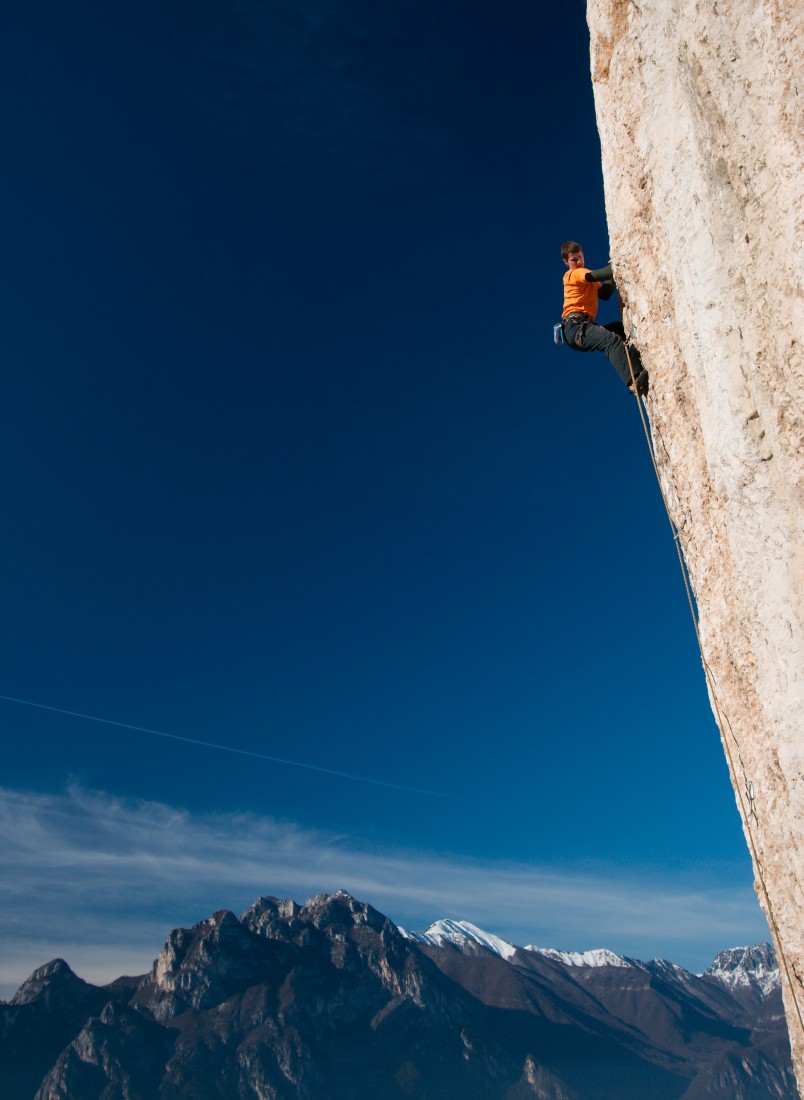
x=699 y=109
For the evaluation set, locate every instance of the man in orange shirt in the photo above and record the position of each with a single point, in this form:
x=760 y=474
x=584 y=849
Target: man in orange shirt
x=582 y=288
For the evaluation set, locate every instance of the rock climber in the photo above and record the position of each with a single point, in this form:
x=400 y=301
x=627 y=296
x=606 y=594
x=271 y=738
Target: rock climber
x=582 y=288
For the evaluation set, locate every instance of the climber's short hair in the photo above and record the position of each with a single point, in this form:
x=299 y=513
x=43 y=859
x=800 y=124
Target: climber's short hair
x=569 y=246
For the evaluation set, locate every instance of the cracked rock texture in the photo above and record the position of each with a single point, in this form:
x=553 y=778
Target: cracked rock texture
x=699 y=109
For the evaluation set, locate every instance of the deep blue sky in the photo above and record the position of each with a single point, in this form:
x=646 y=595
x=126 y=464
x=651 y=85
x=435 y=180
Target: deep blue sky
x=291 y=464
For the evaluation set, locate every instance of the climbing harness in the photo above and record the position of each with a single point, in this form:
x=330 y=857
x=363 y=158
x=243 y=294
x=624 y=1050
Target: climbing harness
x=747 y=797
x=578 y=320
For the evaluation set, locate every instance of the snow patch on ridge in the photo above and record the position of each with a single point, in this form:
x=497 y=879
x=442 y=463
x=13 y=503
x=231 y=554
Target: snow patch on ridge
x=459 y=933
x=599 y=957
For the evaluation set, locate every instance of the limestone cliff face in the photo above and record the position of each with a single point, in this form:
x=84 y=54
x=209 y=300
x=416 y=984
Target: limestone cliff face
x=699 y=106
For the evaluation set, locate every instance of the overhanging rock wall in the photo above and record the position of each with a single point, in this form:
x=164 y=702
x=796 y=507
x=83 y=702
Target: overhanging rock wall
x=699 y=108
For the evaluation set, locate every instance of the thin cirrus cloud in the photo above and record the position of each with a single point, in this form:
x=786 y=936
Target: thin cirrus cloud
x=101 y=881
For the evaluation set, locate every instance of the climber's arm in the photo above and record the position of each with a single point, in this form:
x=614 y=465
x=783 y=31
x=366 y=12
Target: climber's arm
x=604 y=276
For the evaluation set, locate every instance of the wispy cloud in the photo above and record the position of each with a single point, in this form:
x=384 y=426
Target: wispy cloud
x=101 y=881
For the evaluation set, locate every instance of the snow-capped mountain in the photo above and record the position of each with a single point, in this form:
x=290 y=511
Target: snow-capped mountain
x=747 y=969
x=738 y=968
x=461 y=934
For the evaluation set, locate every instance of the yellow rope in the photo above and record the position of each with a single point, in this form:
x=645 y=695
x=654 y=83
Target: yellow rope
x=722 y=720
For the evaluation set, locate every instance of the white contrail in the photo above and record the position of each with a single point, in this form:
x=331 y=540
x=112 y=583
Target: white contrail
x=229 y=748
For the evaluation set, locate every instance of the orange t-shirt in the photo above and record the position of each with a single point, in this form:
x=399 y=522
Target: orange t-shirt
x=578 y=294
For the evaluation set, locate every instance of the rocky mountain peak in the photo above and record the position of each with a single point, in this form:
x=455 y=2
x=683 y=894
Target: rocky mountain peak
x=274 y=919
x=341 y=910
x=43 y=979
x=52 y=984
x=747 y=968
x=204 y=965
x=326 y=913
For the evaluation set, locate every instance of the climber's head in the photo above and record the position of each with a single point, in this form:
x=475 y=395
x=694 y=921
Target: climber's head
x=572 y=254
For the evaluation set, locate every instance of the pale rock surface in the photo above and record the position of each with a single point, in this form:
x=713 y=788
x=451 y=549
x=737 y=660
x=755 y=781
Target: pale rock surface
x=699 y=108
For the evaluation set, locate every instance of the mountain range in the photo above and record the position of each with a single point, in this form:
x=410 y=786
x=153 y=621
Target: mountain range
x=330 y=1000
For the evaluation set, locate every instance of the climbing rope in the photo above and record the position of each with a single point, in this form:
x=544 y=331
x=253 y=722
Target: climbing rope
x=722 y=720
